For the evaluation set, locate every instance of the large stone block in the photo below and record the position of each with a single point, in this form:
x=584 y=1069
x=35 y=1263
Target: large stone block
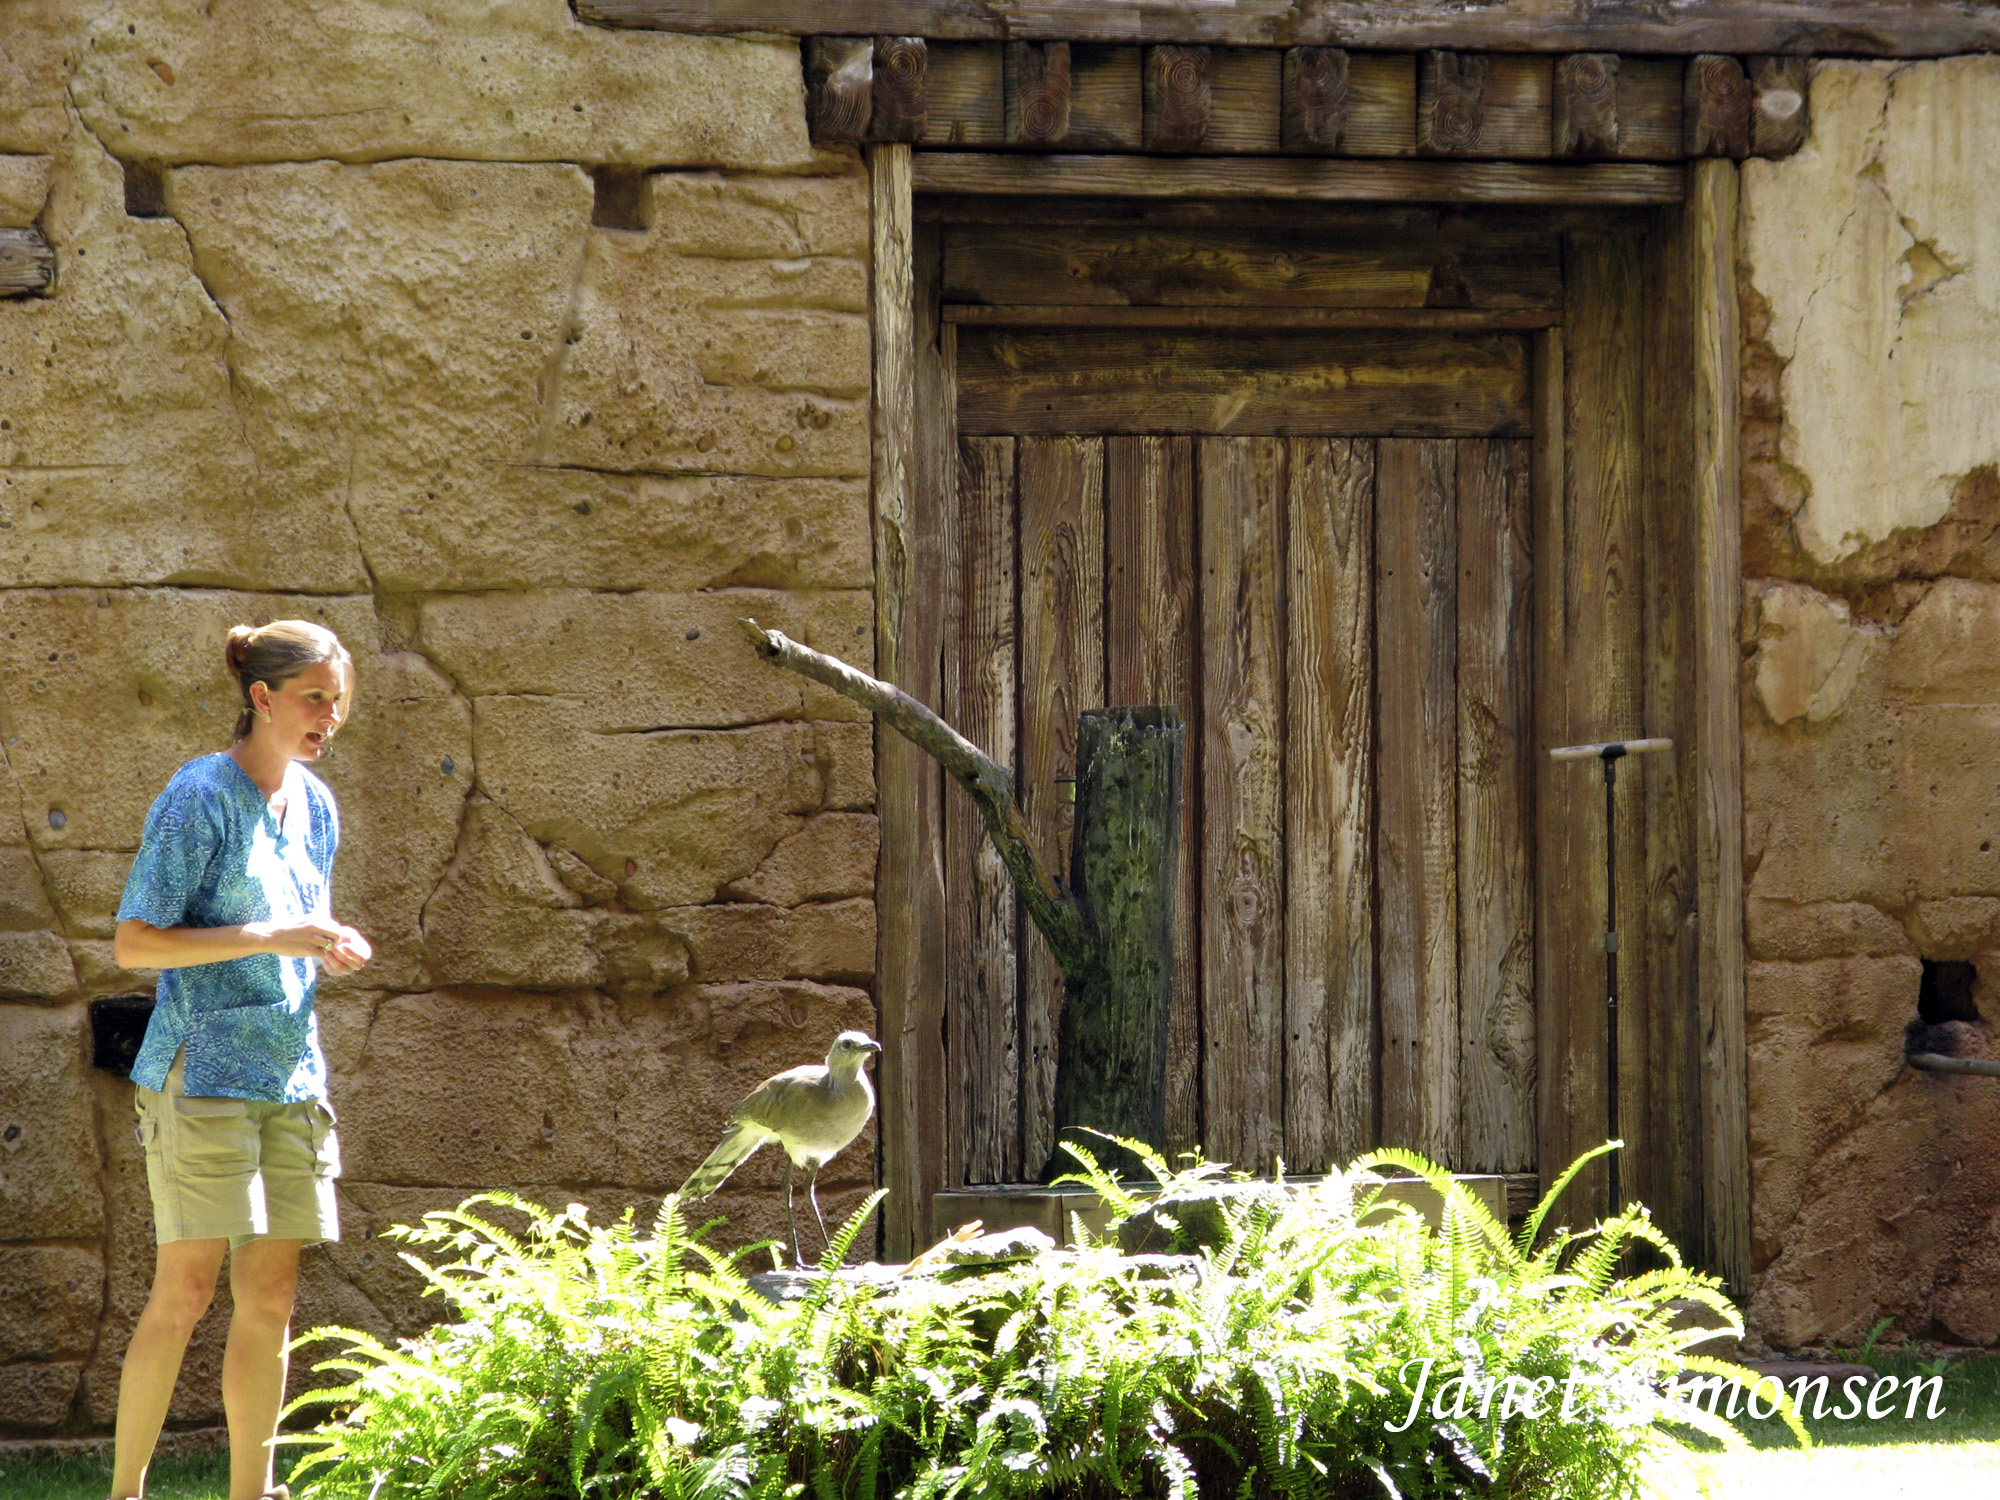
x=832 y=940
x=35 y=966
x=1947 y=649
x=1873 y=248
x=770 y=218
x=366 y=80
x=36 y=1397
x=33 y=73
x=1809 y=652
x=51 y=1297
x=843 y=756
x=24 y=188
x=649 y=660
x=824 y=858
x=50 y=1185
x=681 y=812
x=528 y=526
x=24 y=895
x=126 y=458
x=86 y=885
x=1822 y=929
x=570 y=1089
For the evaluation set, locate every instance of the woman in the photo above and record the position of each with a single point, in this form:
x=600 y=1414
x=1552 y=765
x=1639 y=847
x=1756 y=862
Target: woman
x=229 y=899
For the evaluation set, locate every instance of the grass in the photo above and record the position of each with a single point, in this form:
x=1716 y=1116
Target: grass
x=196 y=1477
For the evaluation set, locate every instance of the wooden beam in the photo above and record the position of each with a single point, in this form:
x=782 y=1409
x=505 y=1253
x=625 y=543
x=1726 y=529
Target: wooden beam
x=1586 y=105
x=1780 y=116
x=1613 y=183
x=909 y=891
x=27 y=263
x=901 y=111
x=964 y=95
x=840 y=87
x=1060 y=315
x=1177 y=101
x=1715 y=459
x=1715 y=107
x=1313 y=104
x=1451 y=113
x=1036 y=78
x=1863 y=28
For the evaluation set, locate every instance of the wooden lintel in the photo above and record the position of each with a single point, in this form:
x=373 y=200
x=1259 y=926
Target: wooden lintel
x=840 y=87
x=902 y=112
x=1178 y=105
x=1320 y=179
x=1853 y=28
x=1779 y=114
x=1057 y=315
x=1036 y=83
x=1314 y=107
x=27 y=263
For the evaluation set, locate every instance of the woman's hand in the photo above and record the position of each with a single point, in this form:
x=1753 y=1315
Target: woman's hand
x=349 y=952
x=315 y=937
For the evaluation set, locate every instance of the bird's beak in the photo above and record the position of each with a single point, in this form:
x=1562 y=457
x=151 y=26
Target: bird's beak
x=874 y=1046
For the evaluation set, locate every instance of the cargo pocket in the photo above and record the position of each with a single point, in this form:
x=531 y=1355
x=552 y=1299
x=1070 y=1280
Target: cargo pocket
x=209 y=1137
x=325 y=1141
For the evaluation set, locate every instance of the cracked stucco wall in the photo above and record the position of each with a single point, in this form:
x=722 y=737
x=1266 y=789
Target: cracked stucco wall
x=1871 y=715
x=375 y=366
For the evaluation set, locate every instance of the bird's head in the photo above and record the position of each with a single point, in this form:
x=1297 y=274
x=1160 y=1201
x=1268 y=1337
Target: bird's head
x=850 y=1050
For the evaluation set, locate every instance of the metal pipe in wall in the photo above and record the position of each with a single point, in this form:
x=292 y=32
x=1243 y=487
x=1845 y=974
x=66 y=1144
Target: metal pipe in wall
x=1937 y=1062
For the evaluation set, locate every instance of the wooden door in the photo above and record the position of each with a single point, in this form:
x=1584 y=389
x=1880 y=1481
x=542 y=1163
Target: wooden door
x=1343 y=623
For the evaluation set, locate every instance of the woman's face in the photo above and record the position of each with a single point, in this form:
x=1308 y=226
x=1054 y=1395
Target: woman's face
x=306 y=710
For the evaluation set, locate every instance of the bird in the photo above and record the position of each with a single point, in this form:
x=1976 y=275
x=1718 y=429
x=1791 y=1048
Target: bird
x=812 y=1112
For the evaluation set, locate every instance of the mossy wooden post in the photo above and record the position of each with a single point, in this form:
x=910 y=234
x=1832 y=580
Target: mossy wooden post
x=1111 y=1048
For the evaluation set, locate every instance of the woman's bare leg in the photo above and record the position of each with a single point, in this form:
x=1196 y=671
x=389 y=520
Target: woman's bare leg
x=263 y=1278
x=184 y=1275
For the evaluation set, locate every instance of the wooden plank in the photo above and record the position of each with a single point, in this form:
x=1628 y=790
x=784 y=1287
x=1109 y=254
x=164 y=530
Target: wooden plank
x=1241 y=483
x=1330 y=1063
x=909 y=890
x=980 y=702
x=1106 y=110
x=901 y=110
x=964 y=95
x=1314 y=103
x=1603 y=583
x=1054 y=315
x=1649 y=108
x=1151 y=646
x=1510 y=116
x=1496 y=798
x=1381 y=105
x=1669 y=925
x=1061 y=497
x=1714 y=456
x=1451 y=112
x=1245 y=90
x=1780 y=105
x=27 y=263
x=1416 y=833
x=1304 y=178
x=1176 y=98
x=840 y=87
x=1037 y=93
x=1865 y=28
x=1715 y=107
x=1033 y=263
x=1586 y=105
x=1284 y=383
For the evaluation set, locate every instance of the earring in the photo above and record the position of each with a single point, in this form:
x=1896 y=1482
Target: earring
x=260 y=713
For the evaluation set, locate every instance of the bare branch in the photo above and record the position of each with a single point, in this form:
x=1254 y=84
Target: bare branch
x=990 y=785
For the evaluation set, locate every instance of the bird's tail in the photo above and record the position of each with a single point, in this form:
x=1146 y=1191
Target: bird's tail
x=736 y=1144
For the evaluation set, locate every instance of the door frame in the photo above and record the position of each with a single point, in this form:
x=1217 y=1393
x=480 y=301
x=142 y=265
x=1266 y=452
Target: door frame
x=1664 y=506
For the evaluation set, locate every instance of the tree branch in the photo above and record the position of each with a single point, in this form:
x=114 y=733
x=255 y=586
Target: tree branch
x=990 y=785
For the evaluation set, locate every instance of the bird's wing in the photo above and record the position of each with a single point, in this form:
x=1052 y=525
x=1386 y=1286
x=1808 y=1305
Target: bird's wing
x=738 y=1141
x=779 y=1102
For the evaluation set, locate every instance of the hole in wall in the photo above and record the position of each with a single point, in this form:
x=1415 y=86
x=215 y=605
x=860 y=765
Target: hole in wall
x=117 y=1027
x=145 y=190
x=618 y=198
x=1945 y=992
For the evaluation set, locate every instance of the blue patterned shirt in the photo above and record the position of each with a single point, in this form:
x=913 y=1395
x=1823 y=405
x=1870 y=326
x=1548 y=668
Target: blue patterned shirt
x=214 y=856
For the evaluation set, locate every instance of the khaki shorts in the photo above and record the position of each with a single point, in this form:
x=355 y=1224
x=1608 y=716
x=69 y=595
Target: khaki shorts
x=238 y=1169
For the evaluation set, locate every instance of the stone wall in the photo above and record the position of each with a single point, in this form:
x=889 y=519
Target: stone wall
x=372 y=364
x=1871 y=707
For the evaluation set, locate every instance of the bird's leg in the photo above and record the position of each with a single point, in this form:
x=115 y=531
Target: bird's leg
x=791 y=1217
x=812 y=1193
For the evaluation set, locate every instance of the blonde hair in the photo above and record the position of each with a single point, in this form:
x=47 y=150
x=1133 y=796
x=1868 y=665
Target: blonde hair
x=273 y=654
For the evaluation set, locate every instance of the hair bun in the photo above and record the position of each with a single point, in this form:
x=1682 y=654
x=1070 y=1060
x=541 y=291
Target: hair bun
x=237 y=647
